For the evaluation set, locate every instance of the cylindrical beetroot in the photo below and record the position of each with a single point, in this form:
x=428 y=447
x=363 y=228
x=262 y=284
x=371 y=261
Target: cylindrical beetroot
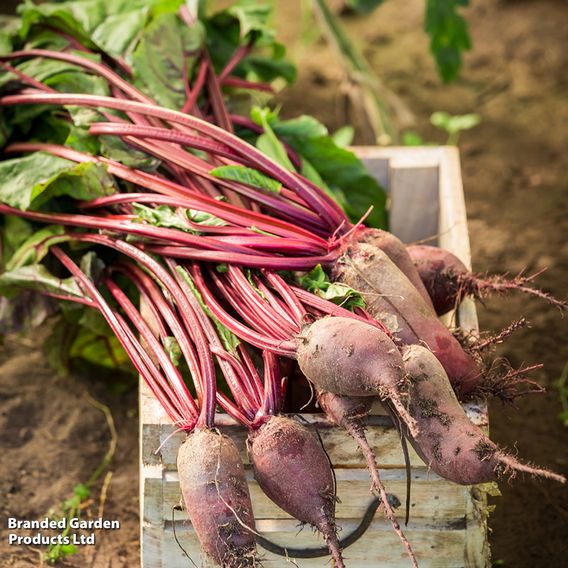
x=396 y=250
x=293 y=470
x=388 y=292
x=448 y=280
x=349 y=357
x=443 y=275
x=216 y=497
x=448 y=442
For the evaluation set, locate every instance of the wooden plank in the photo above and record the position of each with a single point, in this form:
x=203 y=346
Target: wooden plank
x=435 y=548
x=340 y=446
x=431 y=497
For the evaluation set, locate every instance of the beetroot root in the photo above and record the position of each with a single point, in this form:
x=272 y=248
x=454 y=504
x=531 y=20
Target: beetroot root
x=387 y=292
x=349 y=412
x=352 y=358
x=396 y=250
x=448 y=281
x=216 y=497
x=292 y=468
x=448 y=442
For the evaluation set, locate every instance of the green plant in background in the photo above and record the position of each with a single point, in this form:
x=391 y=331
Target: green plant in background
x=562 y=385
x=448 y=35
x=452 y=124
x=381 y=111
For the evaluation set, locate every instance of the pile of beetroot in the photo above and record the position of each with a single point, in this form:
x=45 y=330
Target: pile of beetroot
x=227 y=268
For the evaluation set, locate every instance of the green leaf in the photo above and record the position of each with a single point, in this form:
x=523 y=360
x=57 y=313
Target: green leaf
x=266 y=69
x=412 y=139
x=118 y=31
x=344 y=136
x=344 y=174
x=205 y=219
x=252 y=17
x=296 y=128
x=247 y=22
x=36 y=277
x=79 y=139
x=228 y=338
x=314 y=280
x=106 y=26
x=454 y=123
x=161 y=61
x=8 y=30
x=318 y=282
x=268 y=143
x=82 y=491
x=99 y=350
x=34 y=249
x=343 y=295
x=116 y=149
x=248 y=176
x=161 y=216
x=75 y=18
x=28 y=182
x=448 y=35
x=173 y=349
x=14 y=232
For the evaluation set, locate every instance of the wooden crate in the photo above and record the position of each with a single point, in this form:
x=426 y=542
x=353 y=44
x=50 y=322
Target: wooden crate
x=447 y=526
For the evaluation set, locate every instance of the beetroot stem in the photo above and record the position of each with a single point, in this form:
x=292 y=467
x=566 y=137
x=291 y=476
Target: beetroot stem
x=155 y=300
x=320 y=203
x=139 y=358
x=285 y=348
x=194 y=200
x=249 y=395
x=175 y=378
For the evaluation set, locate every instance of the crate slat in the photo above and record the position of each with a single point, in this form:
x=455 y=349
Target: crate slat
x=448 y=525
x=437 y=548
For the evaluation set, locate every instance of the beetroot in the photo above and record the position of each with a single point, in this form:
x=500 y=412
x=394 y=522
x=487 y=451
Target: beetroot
x=395 y=249
x=352 y=358
x=216 y=497
x=448 y=442
x=388 y=292
x=292 y=468
x=448 y=281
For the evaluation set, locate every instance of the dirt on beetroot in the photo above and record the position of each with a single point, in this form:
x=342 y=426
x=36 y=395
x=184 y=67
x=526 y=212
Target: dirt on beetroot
x=516 y=193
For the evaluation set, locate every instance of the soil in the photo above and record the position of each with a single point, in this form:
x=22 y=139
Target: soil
x=52 y=437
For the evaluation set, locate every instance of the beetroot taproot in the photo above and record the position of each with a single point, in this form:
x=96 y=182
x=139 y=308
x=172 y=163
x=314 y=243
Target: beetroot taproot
x=447 y=441
x=292 y=468
x=349 y=413
x=216 y=497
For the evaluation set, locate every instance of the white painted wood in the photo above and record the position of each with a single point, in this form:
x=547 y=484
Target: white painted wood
x=448 y=522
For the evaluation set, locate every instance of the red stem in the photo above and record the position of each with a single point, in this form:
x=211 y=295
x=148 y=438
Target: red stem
x=285 y=348
x=142 y=362
x=194 y=200
x=156 y=301
x=182 y=393
x=233 y=380
x=320 y=203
